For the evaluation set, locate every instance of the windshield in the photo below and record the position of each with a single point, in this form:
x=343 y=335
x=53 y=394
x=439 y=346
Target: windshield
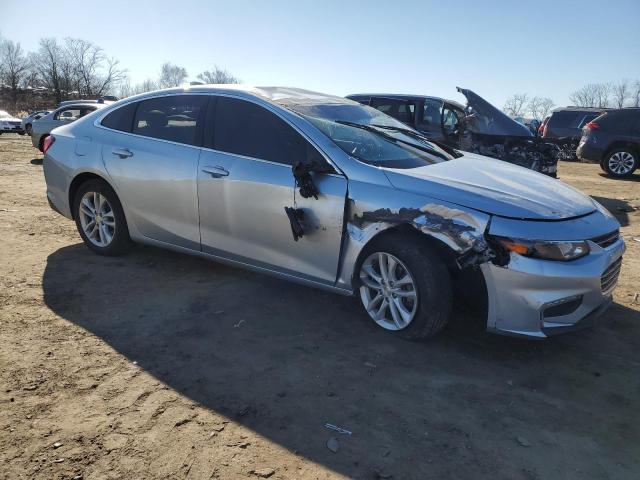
x=4 y=114
x=371 y=136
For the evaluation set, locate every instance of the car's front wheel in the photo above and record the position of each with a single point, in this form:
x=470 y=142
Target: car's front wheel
x=100 y=219
x=405 y=287
x=621 y=162
x=27 y=129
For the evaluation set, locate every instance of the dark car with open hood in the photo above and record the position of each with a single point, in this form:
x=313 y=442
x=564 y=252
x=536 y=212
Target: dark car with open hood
x=478 y=127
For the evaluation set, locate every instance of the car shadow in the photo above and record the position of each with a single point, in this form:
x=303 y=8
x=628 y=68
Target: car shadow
x=283 y=359
x=36 y=161
x=631 y=178
x=618 y=208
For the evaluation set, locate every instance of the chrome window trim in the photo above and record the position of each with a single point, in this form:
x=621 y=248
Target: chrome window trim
x=98 y=123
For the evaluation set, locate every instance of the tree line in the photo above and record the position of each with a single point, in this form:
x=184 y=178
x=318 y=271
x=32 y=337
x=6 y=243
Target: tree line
x=625 y=93
x=75 y=68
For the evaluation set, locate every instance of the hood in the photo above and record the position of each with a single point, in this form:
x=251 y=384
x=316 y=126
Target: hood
x=10 y=119
x=494 y=187
x=492 y=120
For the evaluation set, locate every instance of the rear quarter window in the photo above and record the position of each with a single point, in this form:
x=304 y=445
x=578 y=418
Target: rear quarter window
x=620 y=121
x=121 y=118
x=567 y=119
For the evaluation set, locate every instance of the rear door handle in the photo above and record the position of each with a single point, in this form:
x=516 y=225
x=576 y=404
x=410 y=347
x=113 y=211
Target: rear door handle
x=122 y=152
x=216 y=172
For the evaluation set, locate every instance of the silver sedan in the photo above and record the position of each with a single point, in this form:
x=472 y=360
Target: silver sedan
x=324 y=191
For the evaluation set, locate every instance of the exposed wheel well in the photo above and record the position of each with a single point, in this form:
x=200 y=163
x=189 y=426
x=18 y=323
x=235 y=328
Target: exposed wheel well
x=468 y=284
x=75 y=185
x=41 y=141
x=634 y=148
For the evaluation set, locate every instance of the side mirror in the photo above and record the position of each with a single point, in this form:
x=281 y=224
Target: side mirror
x=321 y=166
x=37 y=117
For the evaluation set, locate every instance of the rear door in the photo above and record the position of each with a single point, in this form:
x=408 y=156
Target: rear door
x=154 y=167
x=244 y=184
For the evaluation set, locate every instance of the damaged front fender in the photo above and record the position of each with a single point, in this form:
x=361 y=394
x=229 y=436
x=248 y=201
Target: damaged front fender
x=460 y=229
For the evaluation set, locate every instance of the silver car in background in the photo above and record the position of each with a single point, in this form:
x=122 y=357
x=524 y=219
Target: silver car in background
x=27 y=122
x=330 y=193
x=63 y=115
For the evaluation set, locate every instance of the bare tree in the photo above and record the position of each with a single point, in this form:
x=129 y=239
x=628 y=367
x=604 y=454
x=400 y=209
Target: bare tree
x=516 y=105
x=635 y=94
x=620 y=92
x=534 y=107
x=171 y=75
x=545 y=107
x=15 y=66
x=592 y=95
x=584 y=97
x=94 y=73
x=218 y=75
x=127 y=90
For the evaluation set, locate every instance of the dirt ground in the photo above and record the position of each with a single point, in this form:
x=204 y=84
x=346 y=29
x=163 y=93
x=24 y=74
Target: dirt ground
x=157 y=365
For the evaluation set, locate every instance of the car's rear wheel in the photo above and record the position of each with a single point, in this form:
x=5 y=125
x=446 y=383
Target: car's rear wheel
x=404 y=287
x=100 y=219
x=621 y=162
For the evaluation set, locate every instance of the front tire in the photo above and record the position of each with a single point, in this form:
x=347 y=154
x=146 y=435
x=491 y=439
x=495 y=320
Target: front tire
x=100 y=219
x=621 y=162
x=28 y=128
x=405 y=287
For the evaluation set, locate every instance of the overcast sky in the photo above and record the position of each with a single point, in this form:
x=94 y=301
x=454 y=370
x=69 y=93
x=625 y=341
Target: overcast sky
x=546 y=48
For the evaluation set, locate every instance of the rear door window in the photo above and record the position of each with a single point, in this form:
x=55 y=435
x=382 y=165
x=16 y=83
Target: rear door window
x=177 y=118
x=403 y=110
x=68 y=114
x=244 y=128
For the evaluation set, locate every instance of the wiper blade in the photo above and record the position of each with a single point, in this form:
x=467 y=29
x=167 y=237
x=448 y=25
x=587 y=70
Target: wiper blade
x=376 y=129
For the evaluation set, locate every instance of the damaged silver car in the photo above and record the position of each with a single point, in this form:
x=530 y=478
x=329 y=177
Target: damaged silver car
x=330 y=193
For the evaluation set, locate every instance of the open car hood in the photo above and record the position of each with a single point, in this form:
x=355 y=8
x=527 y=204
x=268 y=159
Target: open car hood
x=491 y=120
x=494 y=187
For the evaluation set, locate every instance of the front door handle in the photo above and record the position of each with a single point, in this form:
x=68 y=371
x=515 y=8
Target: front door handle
x=122 y=152
x=216 y=172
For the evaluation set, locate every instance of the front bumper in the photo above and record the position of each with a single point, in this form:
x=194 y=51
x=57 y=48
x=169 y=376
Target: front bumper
x=11 y=129
x=540 y=298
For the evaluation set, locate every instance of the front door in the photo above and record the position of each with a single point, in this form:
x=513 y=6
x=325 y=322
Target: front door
x=244 y=184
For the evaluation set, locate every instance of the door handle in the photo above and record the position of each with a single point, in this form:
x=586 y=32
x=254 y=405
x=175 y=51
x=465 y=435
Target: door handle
x=216 y=172
x=122 y=152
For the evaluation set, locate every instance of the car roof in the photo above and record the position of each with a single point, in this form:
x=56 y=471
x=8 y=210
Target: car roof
x=402 y=96
x=82 y=104
x=276 y=95
x=580 y=109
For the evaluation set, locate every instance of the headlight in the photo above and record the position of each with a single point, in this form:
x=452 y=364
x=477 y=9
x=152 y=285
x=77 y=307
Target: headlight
x=562 y=251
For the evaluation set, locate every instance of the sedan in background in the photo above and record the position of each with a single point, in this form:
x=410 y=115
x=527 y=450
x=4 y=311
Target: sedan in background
x=27 y=121
x=64 y=115
x=327 y=192
x=10 y=124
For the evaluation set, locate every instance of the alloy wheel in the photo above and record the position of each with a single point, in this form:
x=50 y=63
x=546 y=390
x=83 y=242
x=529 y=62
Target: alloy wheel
x=388 y=291
x=97 y=219
x=621 y=163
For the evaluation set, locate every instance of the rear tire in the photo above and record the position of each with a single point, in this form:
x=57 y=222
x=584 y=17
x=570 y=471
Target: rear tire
x=417 y=286
x=100 y=219
x=620 y=162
